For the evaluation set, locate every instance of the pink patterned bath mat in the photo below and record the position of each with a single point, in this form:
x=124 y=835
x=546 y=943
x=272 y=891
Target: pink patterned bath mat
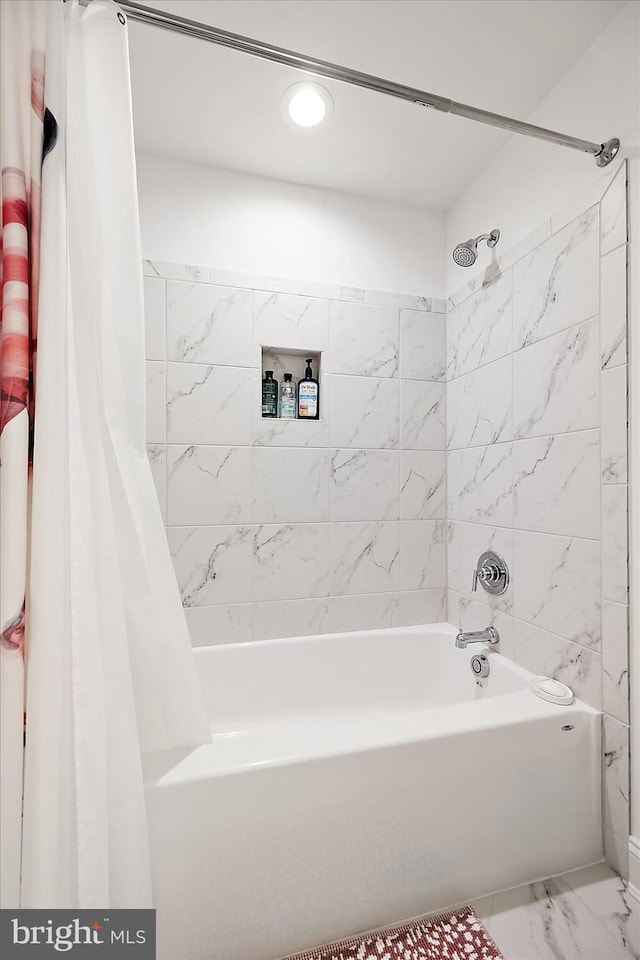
x=450 y=936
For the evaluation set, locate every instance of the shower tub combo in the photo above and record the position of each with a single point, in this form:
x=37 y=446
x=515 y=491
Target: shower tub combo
x=358 y=780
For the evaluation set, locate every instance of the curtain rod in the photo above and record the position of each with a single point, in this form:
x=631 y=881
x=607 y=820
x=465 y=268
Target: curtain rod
x=604 y=153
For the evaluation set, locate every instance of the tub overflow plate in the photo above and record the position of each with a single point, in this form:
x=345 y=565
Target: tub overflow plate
x=480 y=665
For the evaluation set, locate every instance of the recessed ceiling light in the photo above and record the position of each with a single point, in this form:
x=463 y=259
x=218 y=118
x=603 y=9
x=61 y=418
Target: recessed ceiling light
x=307 y=104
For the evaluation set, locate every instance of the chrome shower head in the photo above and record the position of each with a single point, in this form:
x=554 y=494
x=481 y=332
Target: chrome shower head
x=466 y=254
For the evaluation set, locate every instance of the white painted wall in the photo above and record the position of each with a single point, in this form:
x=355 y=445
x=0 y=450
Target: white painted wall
x=528 y=180
x=192 y=213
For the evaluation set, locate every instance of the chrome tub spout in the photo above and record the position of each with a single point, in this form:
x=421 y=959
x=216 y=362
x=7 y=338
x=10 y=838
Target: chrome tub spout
x=489 y=635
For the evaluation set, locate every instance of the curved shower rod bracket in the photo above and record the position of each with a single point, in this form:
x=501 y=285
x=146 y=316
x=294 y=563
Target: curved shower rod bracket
x=608 y=152
x=604 y=153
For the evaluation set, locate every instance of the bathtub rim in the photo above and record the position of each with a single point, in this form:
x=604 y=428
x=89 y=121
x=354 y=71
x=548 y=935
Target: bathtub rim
x=442 y=627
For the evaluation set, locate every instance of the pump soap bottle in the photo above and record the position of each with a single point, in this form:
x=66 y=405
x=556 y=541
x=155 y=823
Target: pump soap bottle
x=308 y=395
x=288 y=398
x=269 y=395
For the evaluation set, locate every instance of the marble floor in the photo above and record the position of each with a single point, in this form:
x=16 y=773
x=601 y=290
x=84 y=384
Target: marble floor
x=587 y=914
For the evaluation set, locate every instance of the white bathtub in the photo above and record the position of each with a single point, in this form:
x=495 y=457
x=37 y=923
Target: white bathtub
x=360 y=779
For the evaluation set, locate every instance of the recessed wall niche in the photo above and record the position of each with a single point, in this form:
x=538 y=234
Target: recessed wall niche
x=282 y=360
x=292 y=527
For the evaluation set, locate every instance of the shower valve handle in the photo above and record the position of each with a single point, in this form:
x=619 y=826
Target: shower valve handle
x=488 y=573
x=492 y=572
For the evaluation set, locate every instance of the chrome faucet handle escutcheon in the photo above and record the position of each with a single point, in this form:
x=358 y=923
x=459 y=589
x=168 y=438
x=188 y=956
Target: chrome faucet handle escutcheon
x=492 y=572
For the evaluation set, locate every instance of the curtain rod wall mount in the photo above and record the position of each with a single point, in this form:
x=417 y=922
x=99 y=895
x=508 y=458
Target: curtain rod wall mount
x=604 y=153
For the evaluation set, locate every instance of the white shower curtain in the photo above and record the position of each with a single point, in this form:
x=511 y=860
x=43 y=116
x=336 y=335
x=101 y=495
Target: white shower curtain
x=109 y=670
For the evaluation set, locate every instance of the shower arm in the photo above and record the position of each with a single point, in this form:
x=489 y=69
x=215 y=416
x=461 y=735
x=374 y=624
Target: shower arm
x=604 y=153
x=491 y=238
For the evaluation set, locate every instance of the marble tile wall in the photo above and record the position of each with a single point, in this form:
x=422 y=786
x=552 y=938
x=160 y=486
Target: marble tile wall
x=374 y=515
x=286 y=528
x=537 y=464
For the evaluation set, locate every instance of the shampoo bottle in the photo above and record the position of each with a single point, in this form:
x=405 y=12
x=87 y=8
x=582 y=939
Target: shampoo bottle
x=308 y=396
x=269 y=395
x=288 y=410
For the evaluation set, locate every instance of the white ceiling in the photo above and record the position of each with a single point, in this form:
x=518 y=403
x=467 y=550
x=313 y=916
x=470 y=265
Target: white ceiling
x=203 y=103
